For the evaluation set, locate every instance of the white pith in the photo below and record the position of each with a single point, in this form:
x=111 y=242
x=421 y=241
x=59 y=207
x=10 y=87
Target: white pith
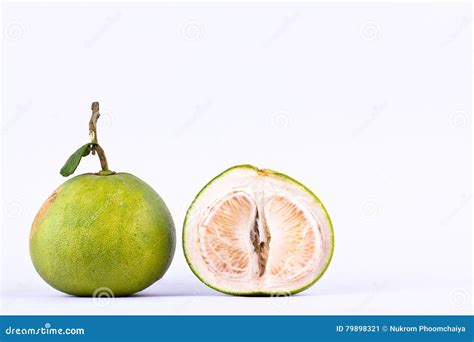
x=220 y=248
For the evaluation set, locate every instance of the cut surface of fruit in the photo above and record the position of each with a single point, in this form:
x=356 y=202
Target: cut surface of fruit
x=257 y=232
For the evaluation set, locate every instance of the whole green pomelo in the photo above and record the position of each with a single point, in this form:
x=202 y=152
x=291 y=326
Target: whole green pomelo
x=102 y=233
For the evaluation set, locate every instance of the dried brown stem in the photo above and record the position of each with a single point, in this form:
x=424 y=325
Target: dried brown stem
x=93 y=135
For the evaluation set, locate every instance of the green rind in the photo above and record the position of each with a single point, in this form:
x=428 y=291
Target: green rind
x=259 y=294
x=97 y=231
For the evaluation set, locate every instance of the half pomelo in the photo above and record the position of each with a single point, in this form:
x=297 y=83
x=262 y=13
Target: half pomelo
x=257 y=232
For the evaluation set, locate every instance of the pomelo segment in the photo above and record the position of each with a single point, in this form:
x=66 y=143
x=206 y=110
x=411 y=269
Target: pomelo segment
x=221 y=237
x=257 y=232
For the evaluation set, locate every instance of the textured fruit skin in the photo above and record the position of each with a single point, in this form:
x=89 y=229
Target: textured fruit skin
x=97 y=231
x=257 y=293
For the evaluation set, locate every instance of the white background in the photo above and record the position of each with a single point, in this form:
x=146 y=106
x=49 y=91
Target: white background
x=368 y=105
